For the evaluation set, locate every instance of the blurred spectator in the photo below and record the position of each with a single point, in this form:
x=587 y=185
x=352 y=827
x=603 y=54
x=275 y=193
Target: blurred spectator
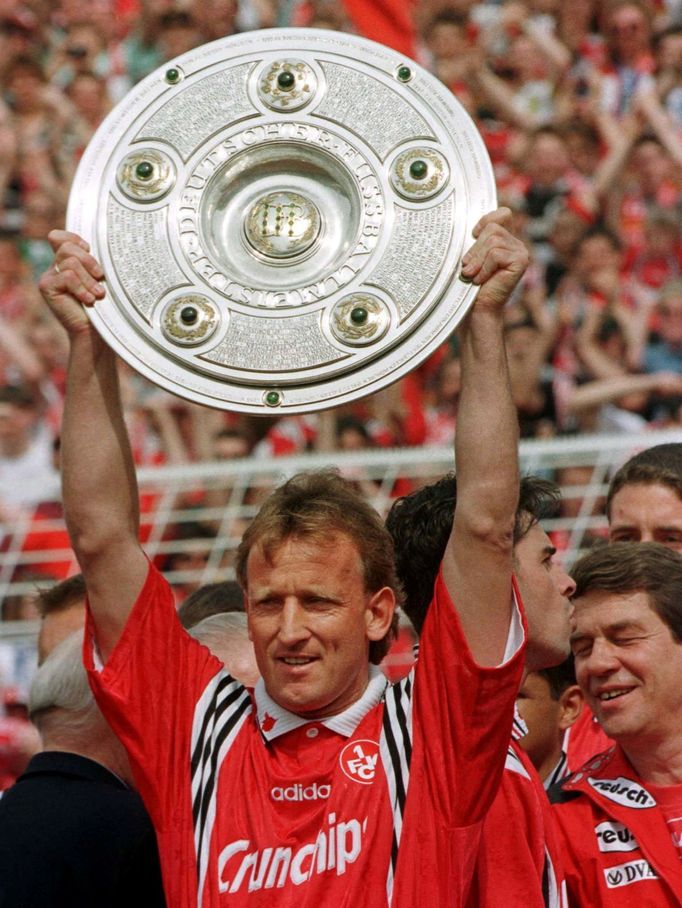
x=90 y=98
x=177 y=33
x=82 y=51
x=40 y=214
x=668 y=52
x=217 y=18
x=190 y=545
x=663 y=351
x=47 y=131
x=25 y=447
x=551 y=182
x=565 y=233
x=18 y=297
x=660 y=258
x=650 y=181
x=449 y=45
x=530 y=333
x=629 y=61
x=442 y=397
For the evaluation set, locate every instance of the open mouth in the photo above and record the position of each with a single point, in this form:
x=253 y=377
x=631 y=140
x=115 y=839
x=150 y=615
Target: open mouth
x=608 y=695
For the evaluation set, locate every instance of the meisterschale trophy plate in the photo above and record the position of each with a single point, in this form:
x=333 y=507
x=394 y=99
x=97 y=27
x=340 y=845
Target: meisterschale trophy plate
x=281 y=217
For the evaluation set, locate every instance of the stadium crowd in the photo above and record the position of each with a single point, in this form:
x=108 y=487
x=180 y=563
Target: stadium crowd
x=323 y=783
x=580 y=107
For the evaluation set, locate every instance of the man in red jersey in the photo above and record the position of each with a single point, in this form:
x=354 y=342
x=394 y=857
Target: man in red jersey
x=324 y=786
x=620 y=816
x=644 y=504
x=518 y=863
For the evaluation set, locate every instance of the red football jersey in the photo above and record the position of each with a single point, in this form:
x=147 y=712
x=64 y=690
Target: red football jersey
x=519 y=861
x=253 y=806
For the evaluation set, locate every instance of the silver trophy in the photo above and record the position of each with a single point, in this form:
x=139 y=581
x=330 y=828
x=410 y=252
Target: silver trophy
x=281 y=217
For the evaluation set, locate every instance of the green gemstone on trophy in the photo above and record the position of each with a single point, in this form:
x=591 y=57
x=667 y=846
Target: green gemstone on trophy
x=272 y=398
x=359 y=315
x=172 y=75
x=404 y=73
x=286 y=80
x=189 y=315
x=418 y=169
x=144 y=170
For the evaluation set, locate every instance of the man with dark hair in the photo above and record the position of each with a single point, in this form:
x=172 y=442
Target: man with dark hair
x=326 y=787
x=644 y=502
x=518 y=863
x=211 y=599
x=62 y=611
x=619 y=816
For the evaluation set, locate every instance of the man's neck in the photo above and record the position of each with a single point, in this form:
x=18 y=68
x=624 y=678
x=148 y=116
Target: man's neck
x=111 y=758
x=657 y=762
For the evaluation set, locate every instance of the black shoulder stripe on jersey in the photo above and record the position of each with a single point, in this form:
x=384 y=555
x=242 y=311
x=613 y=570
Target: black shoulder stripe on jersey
x=397 y=735
x=208 y=718
x=226 y=716
x=545 y=881
x=394 y=850
x=211 y=749
x=397 y=748
x=402 y=697
x=558 y=773
x=557 y=794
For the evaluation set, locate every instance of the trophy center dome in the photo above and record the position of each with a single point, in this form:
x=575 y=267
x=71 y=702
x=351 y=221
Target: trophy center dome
x=283 y=224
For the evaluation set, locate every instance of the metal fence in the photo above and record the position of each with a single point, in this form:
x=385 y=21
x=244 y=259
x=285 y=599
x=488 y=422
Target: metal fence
x=193 y=516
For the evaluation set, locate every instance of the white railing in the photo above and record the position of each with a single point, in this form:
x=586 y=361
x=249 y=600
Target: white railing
x=223 y=496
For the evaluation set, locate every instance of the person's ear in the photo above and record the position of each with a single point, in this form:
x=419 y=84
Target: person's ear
x=379 y=613
x=571 y=704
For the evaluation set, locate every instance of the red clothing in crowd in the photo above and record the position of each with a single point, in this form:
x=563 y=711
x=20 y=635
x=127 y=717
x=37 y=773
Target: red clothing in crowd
x=13 y=753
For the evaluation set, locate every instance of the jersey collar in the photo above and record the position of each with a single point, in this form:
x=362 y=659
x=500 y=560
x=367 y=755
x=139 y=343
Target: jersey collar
x=274 y=720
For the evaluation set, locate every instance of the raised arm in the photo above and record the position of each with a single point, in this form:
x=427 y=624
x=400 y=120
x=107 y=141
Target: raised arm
x=477 y=565
x=98 y=476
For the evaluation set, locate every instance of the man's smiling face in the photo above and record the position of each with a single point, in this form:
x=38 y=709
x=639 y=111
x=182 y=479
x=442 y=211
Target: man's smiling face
x=311 y=621
x=629 y=666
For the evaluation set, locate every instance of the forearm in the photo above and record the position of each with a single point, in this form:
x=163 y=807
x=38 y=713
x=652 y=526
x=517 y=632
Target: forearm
x=619 y=144
x=662 y=125
x=604 y=391
x=487 y=428
x=478 y=563
x=96 y=453
x=501 y=98
x=99 y=486
x=19 y=352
